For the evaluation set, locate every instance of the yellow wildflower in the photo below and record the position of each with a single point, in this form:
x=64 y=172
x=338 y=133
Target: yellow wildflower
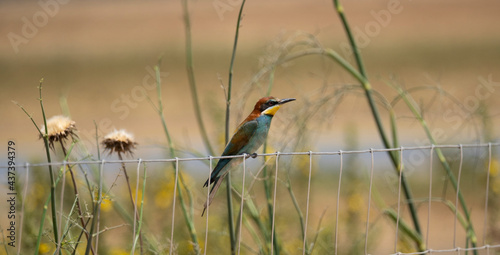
x=43 y=248
x=106 y=203
x=118 y=251
x=495 y=187
x=355 y=203
x=139 y=196
x=494 y=167
x=164 y=197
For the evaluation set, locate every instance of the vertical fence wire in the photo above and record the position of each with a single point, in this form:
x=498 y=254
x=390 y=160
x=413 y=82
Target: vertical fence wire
x=62 y=204
x=400 y=168
x=369 y=202
x=241 y=203
x=99 y=201
x=26 y=184
x=338 y=203
x=274 y=201
x=488 y=171
x=430 y=198
x=138 y=177
x=456 y=196
x=208 y=197
x=307 y=202
x=173 y=205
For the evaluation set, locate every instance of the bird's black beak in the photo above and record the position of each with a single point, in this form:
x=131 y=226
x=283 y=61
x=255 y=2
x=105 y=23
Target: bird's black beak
x=286 y=100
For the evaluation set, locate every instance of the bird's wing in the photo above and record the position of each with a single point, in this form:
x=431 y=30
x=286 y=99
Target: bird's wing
x=235 y=147
x=240 y=138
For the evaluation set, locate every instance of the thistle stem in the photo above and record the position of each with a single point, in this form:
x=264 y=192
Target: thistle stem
x=136 y=214
x=77 y=196
x=52 y=183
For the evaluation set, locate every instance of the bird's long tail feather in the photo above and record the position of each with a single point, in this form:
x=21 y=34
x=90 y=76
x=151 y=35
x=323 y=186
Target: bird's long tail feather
x=213 y=191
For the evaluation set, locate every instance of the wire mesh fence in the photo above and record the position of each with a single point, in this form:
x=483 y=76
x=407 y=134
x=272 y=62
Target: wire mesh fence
x=339 y=202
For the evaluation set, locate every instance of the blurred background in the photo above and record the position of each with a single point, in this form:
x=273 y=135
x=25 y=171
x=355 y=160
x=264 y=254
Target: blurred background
x=95 y=54
x=97 y=59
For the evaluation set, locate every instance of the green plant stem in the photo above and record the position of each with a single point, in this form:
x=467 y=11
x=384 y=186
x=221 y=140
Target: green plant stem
x=52 y=183
x=254 y=235
x=136 y=214
x=138 y=234
x=231 y=68
x=444 y=163
x=416 y=237
x=376 y=115
x=97 y=141
x=229 y=198
x=192 y=82
x=188 y=218
x=254 y=214
x=45 y=207
x=75 y=189
x=267 y=177
x=95 y=211
x=40 y=231
x=355 y=49
x=464 y=222
x=297 y=207
x=69 y=224
x=267 y=191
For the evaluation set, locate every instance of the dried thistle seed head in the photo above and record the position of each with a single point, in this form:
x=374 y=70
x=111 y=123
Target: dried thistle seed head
x=119 y=141
x=59 y=128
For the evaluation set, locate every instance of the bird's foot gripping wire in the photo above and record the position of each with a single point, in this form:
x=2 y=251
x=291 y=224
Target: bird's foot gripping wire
x=253 y=155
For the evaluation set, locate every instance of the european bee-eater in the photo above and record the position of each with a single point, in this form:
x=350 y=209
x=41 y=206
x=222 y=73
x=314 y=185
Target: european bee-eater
x=249 y=136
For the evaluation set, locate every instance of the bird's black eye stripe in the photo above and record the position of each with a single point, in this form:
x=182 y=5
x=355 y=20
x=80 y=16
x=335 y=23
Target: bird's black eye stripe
x=268 y=104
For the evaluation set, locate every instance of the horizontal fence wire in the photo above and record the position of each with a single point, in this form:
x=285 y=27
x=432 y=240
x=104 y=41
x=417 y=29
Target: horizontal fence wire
x=307 y=242
x=307 y=153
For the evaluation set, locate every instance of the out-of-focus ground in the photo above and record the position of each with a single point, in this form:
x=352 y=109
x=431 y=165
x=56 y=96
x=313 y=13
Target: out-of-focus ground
x=97 y=53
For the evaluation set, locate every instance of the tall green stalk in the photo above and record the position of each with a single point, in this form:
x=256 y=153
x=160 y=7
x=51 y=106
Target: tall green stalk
x=267 y=185
x=138 y=232
x=45 y=208
x=230 y=213
x=444 y=163
x=187 y=216
x=368 y=91
x=192 y=82
x=52 y=183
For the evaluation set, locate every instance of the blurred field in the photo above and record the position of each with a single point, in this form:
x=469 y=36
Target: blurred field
x=96 y=54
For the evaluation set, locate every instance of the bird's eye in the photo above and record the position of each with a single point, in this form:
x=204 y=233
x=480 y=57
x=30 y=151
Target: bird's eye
x=272 y=103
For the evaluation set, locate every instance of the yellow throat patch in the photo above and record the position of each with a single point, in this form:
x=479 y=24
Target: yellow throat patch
x=271 y=110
